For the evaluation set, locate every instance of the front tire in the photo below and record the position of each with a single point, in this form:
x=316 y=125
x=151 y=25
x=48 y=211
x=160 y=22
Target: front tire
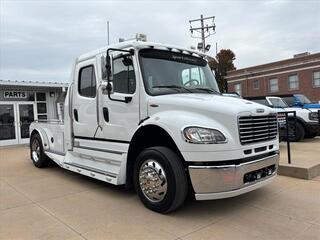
x=300 y=134
x=160 y=179
x=37 y=154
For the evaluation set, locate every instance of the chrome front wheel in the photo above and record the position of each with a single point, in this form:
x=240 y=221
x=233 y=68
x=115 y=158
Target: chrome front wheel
x=153 y=181
x=160 y=179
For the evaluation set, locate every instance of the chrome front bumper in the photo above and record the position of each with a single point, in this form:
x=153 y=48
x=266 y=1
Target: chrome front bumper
x=223 y=181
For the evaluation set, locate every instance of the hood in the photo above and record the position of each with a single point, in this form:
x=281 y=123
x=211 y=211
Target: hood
x=312 y=105
x=208 y=103
x=205 y=110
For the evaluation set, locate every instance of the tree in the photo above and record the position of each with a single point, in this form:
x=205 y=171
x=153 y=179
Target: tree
x=221 y=65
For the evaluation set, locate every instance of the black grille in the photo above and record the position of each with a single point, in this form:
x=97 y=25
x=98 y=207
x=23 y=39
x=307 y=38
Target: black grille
x=254 y=129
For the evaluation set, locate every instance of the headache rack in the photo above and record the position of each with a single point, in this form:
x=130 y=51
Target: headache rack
x=253 y=129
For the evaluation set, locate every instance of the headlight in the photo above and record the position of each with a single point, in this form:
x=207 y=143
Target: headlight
x=313 y=116
x=203 y=135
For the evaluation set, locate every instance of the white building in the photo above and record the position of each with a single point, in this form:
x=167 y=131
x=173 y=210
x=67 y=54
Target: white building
x=23 y=102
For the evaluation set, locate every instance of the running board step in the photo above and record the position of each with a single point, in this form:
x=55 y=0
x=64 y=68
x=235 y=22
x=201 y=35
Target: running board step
x=92 y=169
x=92 y=172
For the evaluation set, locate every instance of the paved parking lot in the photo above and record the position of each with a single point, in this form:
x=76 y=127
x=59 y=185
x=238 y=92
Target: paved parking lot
x=53 y=203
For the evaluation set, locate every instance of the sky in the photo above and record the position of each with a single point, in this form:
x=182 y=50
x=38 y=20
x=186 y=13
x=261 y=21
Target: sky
x=40 y=39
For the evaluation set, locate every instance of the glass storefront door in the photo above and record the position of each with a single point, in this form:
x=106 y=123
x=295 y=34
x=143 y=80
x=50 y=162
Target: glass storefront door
x=8 y=130
x=25 y=118
x=15 y=119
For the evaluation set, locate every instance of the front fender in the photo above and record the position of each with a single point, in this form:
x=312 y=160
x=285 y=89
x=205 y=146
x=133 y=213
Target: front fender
x=173 y=122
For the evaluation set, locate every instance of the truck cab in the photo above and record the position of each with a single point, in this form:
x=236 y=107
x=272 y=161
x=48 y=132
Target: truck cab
x=150 y=116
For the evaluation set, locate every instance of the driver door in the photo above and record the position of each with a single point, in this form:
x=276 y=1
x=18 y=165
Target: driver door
x=120 y=119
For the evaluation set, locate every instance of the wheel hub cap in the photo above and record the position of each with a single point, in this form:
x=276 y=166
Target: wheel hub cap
x=35 y=150
x=153 y=181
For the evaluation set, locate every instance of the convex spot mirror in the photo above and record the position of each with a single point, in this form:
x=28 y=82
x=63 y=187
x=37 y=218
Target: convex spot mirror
x=127 y=61
x=107 y=87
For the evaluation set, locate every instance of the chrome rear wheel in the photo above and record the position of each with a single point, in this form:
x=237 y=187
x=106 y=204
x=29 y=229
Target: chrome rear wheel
x=35 y=150
x=39 y=158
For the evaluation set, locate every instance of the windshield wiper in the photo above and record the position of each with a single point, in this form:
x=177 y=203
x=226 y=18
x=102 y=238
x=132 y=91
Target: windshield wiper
x=209 y=90
x=173 y=86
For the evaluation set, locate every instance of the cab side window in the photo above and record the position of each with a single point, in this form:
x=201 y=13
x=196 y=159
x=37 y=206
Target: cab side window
x=87 y=82
x=124 y=80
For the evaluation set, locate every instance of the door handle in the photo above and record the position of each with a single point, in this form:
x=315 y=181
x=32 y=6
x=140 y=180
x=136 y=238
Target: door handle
x=75 y=114
x=105 y=114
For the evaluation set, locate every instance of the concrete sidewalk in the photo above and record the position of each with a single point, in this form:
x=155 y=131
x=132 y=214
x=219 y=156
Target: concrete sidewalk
x=305 y=159
x=53 y=203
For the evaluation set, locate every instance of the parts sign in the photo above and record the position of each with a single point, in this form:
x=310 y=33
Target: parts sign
x=15 y=94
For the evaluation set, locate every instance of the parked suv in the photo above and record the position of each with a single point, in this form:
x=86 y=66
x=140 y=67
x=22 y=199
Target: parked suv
x=299 y=100
x=307 y=120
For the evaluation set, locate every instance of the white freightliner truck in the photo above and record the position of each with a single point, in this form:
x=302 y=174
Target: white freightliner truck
x=151 y=116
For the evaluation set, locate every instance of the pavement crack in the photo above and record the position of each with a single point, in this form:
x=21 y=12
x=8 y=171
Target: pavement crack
x=200 y=228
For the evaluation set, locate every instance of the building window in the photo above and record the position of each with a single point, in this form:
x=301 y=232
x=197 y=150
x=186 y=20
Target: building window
x=87 y=82
x=41 y=96
x=316 y=79
x=237 y=88
x=293 y=82
x=256 y=84
x=273 y=85
x=41 y=105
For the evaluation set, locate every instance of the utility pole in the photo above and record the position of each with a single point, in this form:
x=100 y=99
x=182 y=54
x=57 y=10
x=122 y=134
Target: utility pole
x=202 y=33
x=216 y=48
x=205 y=30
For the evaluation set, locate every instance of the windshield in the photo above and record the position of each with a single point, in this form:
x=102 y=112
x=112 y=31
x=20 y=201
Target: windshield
x=166 y=72
x=278 y=103
x=303 y=99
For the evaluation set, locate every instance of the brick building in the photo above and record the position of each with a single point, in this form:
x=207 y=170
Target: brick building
x=300 y=74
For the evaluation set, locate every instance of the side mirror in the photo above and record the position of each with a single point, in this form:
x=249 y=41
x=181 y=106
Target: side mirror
x=108 y=67
x=109 y=87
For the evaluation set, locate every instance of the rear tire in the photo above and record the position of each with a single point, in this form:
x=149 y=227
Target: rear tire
x=160 y=179
x=37 y=154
